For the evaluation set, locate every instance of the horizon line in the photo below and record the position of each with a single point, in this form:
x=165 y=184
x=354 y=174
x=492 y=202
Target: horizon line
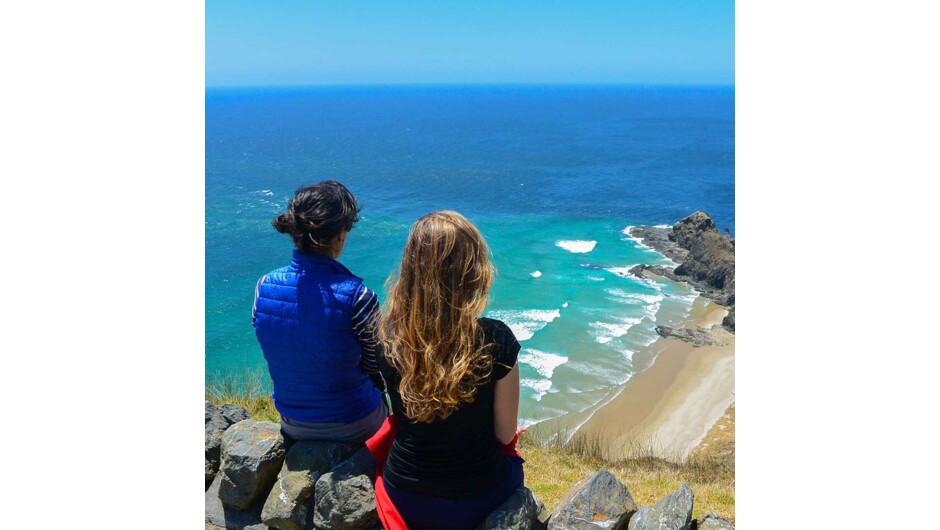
x=472 y=83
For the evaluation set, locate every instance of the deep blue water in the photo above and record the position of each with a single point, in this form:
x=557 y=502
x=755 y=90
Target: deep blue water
x=532 y=166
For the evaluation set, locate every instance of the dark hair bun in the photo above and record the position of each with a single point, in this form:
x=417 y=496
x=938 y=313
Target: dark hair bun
x=316 y=214
x=285 y=223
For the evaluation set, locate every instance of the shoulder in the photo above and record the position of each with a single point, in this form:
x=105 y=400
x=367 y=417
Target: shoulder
x=493 y=327
x=506 y=346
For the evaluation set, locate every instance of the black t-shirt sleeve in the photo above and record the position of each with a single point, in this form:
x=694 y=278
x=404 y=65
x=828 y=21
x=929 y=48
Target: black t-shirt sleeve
x=506 y=349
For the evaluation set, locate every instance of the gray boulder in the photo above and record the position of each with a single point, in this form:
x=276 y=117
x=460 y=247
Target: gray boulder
x=252 y=454
x=712 y=521
x=673 y=512
x=220 y=516
x=345 y=498
x=234 y=413
x=598 y=502
x=216 y=423
x=289 y=506
x=519 y=512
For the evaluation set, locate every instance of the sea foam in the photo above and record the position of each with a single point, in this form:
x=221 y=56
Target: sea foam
x=541 y=386
x=577 y=246
x=605 y=332
x=543 y=362
x=525 y=323
x=535 y=274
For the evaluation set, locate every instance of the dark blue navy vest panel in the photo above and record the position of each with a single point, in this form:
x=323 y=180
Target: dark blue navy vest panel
x=303 y=323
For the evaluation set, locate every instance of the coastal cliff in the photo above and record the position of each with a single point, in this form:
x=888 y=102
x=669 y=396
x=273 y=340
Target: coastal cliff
x=705 y=257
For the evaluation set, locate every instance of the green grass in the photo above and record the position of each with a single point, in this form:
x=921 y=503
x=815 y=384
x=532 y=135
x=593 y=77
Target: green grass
x=250 y=389
x=552 y=468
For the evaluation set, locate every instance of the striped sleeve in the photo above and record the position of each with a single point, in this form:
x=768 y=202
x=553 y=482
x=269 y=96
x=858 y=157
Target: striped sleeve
x=365 y=314
x=254 y=305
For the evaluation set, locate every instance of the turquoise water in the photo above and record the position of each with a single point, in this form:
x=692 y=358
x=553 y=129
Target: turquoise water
x=552 y=177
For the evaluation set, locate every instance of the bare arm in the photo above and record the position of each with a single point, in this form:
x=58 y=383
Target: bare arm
x=506 y=406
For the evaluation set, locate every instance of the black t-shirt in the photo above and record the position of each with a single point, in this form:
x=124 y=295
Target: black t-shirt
x=457 y=457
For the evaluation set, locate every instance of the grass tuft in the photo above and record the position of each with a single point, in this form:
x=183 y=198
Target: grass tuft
x=250 y=389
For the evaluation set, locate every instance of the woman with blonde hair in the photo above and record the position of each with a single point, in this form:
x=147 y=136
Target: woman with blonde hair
x=452 y=378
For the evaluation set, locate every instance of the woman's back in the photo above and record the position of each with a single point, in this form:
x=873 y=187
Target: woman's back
x=456 y=457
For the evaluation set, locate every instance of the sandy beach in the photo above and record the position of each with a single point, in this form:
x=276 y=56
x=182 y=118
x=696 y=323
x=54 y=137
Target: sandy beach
x=671 y=404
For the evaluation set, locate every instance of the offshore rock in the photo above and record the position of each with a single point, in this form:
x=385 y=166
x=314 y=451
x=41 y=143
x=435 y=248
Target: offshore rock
x=712 y=521
x=519 y=512
x=252 y=454
x=289 y=506
x=345 y=498
x=673 y=512
x=598 y=502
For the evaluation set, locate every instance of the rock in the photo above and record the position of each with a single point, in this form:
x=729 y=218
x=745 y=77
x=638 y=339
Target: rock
x=712 y=521
x=728 y=321
x=234 y=413
x=219 y=515
x=637 y=270
x=705 y=256
x=711 y=254
x=289 y=506
x=542 y=517
x=252 y=454
x=519 y=512
x=673 y=512
x=698 y=336
x=344 y=497
x=600 y=501
x=657 y=238
x=216 y=423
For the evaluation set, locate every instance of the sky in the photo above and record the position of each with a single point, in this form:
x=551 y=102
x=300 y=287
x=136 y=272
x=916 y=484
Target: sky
x=257 y=43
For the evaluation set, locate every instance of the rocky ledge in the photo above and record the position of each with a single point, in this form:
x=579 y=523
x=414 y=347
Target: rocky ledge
x=698 y=336
x=256 y=484
x=705 y=257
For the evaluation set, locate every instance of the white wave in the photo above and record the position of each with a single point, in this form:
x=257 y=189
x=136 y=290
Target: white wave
x=526 y=422
x=541 y=386
x=623 y=272
x=576 y=246
x=564 y=304
x=525 y=323
x=543 y=362
x=595 y=278
x=634 y=298
x=535 y=274
x=662 y=226
x=605 y=332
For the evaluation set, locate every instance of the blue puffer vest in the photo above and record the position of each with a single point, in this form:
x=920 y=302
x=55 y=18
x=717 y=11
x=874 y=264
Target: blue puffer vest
x=303 y=322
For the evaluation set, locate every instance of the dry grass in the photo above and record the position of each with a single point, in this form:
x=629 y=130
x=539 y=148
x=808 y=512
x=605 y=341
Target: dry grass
x=551 y=469
x=250 y=389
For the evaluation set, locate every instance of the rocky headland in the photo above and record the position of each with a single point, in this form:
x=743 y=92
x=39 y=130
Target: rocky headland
x=253 y=482
x=705 y=258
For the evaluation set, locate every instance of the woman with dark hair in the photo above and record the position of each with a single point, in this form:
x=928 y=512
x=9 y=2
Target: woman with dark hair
x=315 y=322
x=453 y=382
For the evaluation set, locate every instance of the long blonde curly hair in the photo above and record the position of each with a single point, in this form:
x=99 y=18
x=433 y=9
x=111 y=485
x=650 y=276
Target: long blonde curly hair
x=429 y=324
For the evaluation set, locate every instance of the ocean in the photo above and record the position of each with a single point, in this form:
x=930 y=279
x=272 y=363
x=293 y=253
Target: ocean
x=552 y=175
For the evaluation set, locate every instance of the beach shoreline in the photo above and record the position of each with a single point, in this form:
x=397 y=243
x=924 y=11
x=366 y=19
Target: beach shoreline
x=679 y=391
